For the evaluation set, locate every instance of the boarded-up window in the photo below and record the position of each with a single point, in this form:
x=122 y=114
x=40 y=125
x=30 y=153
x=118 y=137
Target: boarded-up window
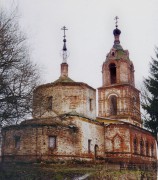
x=17 y=142
x=117 y=143
x=52 y=142
x=73 y=101
x=89 y=146
x=49 y=103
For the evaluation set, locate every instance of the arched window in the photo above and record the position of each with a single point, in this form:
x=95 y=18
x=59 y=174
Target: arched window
x=117 y=143
x=135 y=145
x=113 y=54
x=113 y=105
x=112 y=68
x=147 y=148
x=141 y=146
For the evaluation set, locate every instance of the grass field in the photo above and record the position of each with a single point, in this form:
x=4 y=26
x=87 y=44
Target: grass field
x=68 y=172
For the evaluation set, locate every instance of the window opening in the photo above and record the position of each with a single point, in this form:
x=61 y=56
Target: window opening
x=17 y=142
x=96 y=148
x=141 y=147
x=49 y=103
x=135 y=145
x=117 y=143
x=52 y=142
x=89 y=145
x=147 y=148
x=132 y=73
x=134 y=101
x=90 y=104
x=112 y=68
x=113 y=105
x=73 y=102
x=152 y=150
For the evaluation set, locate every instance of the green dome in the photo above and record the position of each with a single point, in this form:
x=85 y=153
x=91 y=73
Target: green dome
x=63 y=79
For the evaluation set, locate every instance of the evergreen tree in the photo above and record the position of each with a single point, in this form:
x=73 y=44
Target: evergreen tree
x=150 y=98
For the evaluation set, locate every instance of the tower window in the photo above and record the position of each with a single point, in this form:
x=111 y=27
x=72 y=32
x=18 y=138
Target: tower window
x=134 y=103
x=113 y=105
x=132 y=73
x=112 y=68
x=49 y=103
x=90 y=105
x=113 y=54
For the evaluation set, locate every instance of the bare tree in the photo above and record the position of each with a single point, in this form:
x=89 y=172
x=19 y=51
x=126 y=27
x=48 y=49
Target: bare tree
x=18 y=75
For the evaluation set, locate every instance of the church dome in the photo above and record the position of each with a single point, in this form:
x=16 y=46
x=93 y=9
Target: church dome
x=116 y=32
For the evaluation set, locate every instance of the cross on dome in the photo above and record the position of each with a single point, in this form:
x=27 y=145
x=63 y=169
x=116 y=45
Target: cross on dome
x=116 y=19
x=64 y=50
x=64 y=29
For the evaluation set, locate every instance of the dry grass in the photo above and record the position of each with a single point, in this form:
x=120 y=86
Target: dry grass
x=68 y=172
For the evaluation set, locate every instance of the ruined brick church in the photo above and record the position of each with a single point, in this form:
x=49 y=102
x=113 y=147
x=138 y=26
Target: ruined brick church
x=65 y=127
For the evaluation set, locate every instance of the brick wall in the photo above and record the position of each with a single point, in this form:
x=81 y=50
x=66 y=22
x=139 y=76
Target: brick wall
x=69 y=97
x=119 y=144
x=72 y=135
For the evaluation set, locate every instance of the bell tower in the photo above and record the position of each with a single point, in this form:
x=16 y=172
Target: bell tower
x=118 y=98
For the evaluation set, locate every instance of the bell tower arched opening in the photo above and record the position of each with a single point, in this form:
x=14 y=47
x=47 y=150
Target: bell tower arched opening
x=113 y=105
x=112 y=69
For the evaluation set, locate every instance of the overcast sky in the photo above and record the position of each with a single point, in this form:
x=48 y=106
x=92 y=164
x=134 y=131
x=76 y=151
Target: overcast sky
x=90 y=25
